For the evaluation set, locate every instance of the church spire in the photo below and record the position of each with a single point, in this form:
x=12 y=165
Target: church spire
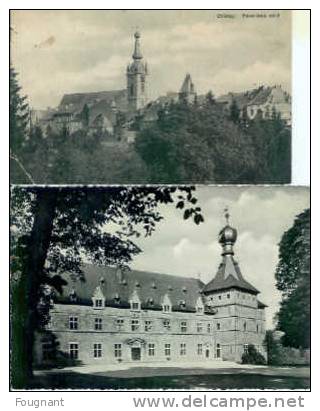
x=137 y=55
x=137 y=73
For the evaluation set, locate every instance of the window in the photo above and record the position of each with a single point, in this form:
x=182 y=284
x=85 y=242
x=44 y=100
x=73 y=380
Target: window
x=219 y=297
x=151 y=350
x=166 y=324
x=228 y=295
x=97 y=350
x=218 y=326
x=200 y=349
x=117 y=350
x=134 y=325
x=199 y=327
x=183 y=349
x=148 y=325
x=257 y=328
x=167 y=350
x=166 y=308
x=209 y=328
x=245 y=348
x=73 y=323
x=74 y=351
x=135 y=306
x=183 y=326
x=218 y=351
x=244 y=326
x=98 y=302
x=120 y=323
x=98 y=323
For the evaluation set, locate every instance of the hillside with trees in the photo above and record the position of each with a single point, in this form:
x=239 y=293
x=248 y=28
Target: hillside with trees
x=185 y=143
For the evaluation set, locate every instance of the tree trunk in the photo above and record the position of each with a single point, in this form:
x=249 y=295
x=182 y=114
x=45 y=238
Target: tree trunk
x=36 y=249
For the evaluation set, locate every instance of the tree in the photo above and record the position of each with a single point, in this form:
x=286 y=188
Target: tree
x=293 y=280
x=55 y=229
x=85 y=115
x=234 y=112
x=19 y=121
x=273 y=348
x=195 y=143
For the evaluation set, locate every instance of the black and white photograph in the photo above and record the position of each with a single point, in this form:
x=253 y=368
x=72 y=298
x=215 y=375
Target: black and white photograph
x=150 y=96
x=160 y=288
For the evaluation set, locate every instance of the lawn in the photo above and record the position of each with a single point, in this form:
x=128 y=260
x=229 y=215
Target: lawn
x=270 y=378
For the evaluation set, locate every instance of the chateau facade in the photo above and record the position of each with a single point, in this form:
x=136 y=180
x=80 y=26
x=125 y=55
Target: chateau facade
x=135 y=316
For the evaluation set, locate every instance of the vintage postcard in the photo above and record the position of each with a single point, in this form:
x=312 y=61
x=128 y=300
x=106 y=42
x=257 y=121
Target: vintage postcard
x=150 y=96
x=180 y=288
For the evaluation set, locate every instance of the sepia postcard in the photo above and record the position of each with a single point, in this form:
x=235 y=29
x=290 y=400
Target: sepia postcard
x=166 y=288
x=150 y=96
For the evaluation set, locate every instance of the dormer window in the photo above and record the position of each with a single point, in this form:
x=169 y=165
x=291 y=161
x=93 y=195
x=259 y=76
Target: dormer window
x=73 y=296
x=199 y=306
x=135 y=303
x=166 y=304
x=184 y=289
x=98 y=299
x=182 y=303
x=154 y=285
x=98 y=303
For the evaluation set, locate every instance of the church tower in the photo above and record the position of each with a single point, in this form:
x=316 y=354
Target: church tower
x=137 y=73
x=240 y=317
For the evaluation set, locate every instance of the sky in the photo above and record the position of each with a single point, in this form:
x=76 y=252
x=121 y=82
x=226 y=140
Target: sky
x=260 y=214
x=59 y=51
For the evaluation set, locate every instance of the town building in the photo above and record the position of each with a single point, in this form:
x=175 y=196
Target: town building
x=112 y=113
x=134 y=316
x=263 y=101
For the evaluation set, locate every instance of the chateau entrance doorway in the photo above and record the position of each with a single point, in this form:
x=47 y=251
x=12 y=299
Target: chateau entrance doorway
x=136 y=353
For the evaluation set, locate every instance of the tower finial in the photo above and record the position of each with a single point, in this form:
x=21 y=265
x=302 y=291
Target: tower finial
x=137 y=55
x=226 y=214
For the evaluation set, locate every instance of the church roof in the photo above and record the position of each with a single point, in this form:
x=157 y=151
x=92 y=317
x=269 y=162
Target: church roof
x=118 y=286
x=76 y=101
x=229 y=276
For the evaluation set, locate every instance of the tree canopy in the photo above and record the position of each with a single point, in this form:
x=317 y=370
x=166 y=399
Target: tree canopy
x=55 y=229
x=203 y=143
x=293 y=280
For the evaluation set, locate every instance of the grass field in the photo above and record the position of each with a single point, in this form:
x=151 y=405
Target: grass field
x=268 y=378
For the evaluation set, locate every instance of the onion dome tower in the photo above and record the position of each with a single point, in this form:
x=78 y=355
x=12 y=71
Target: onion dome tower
x=137 y=73
x=229 y=274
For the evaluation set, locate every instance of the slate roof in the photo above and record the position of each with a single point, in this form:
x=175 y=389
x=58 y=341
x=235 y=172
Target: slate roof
x=118 y=288
x=258 y=96
x=76 y=101
x=229 y=276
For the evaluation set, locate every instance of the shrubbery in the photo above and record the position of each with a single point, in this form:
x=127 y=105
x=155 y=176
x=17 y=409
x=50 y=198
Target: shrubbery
x=252 y=356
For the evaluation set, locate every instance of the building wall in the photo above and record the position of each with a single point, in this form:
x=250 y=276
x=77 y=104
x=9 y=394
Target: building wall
x=203 y=338
x=238 y=322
